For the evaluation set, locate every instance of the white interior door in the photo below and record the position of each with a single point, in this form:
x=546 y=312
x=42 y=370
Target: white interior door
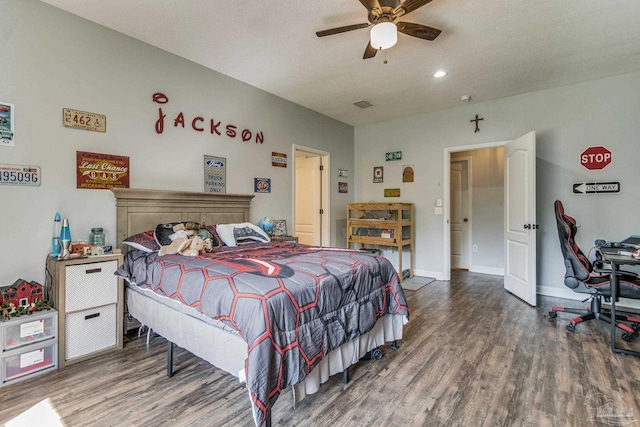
x=459 y=200
x=520 y=217
x=308 y=200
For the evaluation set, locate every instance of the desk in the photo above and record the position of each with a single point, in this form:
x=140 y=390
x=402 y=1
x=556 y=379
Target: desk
x=611 y=256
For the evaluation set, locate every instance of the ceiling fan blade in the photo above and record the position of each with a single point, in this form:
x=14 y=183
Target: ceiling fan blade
x=341 y=29
x=418 y=30
x=408 y=6
x=369 y=52
x=371 y=4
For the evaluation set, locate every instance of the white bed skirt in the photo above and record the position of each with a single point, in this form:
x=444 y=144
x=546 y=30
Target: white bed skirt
x=228 y=351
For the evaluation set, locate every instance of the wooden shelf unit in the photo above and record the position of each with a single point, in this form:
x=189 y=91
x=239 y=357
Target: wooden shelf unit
x=371 y=223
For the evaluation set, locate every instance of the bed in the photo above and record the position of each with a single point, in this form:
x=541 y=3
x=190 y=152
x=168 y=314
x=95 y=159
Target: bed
x=275 y=315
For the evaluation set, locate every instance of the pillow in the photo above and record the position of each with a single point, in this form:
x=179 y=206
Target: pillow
x=231 y=234
x=162 y=233
x=217 y=241
x=143 y=242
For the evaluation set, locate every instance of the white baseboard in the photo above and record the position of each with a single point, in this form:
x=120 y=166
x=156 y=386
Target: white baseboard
x=566 y=293
x=487 y=270
x=426 y=273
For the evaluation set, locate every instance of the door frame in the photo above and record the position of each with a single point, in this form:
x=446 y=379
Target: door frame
x=446 y=189
x=468 y=161
x=325 y=202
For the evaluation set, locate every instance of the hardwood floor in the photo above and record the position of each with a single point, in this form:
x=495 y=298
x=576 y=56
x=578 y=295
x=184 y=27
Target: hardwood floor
x=472 y=355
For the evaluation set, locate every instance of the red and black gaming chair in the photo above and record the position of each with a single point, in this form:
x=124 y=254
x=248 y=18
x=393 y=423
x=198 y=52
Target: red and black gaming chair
x=581 y=277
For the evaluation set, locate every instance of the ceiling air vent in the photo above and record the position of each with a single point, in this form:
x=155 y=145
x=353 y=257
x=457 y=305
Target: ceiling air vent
x=363 y=104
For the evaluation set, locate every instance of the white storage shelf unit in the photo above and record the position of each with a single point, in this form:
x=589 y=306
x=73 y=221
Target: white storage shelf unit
x=29 y=346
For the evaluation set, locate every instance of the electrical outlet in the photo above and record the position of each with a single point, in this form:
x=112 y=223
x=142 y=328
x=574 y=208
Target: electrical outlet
x=474 y=248
x=437 y=210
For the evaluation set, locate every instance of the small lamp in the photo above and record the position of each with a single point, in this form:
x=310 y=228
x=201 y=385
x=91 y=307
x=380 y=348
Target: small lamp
x=55 y=238
x=384 y=35
x=65 y=238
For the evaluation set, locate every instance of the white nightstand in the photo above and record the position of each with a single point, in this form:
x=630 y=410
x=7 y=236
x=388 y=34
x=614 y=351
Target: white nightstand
x=89 y=299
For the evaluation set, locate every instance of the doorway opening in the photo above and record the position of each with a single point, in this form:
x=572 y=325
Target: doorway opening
x=473 y=208
x=311 y=196
x=518 y=249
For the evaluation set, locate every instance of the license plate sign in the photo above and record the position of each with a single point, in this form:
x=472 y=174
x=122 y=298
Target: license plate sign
x=19 y=175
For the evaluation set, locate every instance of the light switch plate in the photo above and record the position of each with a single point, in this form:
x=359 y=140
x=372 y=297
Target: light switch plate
x=438 y=202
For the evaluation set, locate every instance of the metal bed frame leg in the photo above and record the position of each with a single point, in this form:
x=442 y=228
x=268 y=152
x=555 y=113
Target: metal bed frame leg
x=268 y=420
x=169 y=359
x=345 y=376
x=394 y=345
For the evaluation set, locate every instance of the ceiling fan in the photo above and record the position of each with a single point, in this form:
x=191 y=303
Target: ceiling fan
x=383 y=15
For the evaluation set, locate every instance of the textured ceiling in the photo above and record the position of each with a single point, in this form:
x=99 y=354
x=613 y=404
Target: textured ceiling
x=491 y=48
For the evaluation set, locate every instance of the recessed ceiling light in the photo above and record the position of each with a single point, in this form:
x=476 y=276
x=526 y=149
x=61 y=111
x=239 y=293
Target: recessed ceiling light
x=440 y=73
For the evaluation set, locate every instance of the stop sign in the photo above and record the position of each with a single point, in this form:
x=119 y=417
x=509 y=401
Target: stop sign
x=595 y=158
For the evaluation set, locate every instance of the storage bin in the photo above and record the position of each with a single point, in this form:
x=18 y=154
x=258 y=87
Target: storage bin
x=29 y=329
x=29 y=361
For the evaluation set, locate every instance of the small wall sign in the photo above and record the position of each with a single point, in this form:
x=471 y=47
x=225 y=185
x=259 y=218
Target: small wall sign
x=215 y=174
x=394 y=155
x=407 y=173
x=262 y=185
x=279 y=160
x=343 y=187
x=19 y=175
x=391 y=192
x=583 y=188
x=101 y=171
x=7 y=112
x=378 y=174
x=84 y=120
x=595 y=158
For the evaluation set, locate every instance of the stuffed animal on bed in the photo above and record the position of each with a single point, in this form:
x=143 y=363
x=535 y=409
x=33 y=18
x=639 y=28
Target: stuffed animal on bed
x=184 y=246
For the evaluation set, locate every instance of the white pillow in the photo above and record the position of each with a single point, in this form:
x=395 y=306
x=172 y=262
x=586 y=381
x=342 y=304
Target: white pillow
x=231 y=234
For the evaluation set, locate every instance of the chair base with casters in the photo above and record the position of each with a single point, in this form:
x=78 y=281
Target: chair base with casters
x=595 y=311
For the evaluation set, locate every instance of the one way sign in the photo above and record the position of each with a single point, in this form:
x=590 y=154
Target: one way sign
x=596 y=187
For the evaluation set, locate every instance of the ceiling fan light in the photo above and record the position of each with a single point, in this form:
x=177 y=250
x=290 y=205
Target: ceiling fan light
x=384 y=35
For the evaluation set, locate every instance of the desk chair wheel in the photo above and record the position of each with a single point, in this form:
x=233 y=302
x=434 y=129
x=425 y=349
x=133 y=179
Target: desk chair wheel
x=636 y=327
x=553 y=314
x=627 y=337
x=571 y=327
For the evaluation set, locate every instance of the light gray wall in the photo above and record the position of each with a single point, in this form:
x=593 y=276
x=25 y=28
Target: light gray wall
x=52 y=60
x=567 y=120
x=487 y=208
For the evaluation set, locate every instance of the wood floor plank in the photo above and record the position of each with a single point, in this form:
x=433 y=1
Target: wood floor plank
x=472 y=355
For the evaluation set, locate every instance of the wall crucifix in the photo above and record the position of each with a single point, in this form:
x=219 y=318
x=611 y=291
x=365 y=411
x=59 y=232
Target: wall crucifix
x=477 y=120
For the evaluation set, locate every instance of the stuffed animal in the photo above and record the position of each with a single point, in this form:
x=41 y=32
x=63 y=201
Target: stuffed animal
x=193 y=247
x=184 y=246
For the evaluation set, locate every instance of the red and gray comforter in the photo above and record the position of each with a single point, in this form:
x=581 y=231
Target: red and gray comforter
x=292 y=304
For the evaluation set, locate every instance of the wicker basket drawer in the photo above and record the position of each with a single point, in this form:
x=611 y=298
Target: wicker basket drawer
x=91 y=285
x=91 y=330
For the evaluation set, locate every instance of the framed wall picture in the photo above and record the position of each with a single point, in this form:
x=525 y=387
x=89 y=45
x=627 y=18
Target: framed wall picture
x=279 y=227
x=378 y=174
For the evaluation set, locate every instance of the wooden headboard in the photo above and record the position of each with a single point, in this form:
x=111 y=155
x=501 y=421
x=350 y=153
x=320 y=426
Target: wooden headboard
x=141 y=210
